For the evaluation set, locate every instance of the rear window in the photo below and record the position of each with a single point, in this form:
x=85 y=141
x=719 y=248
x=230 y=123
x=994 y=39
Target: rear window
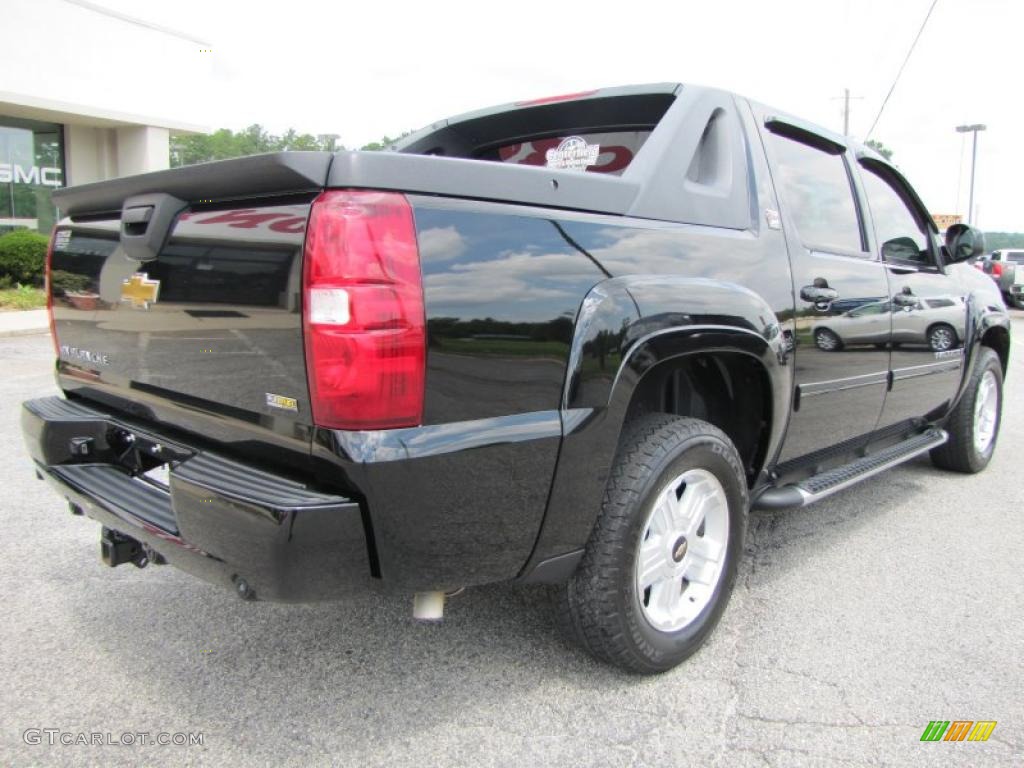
x=1016 y=256
x=595 y=152
x=601 y=133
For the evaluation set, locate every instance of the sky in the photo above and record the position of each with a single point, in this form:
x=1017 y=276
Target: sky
x=363 y=70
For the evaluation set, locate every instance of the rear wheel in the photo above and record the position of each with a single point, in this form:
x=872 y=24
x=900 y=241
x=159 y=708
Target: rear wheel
x=661 y=561
x=973 y=425
x=941 y=338
x=827 y=340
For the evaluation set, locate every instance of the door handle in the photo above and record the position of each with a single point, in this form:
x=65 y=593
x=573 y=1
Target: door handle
x=905 y=299
x=818 y=294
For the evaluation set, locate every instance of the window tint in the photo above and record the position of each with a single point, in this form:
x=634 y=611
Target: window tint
x=816 y=187
x=900 y=236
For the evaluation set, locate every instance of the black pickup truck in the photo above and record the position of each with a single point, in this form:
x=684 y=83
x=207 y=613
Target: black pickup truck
x=570 y=341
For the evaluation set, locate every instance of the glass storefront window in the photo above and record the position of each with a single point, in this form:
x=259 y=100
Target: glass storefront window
x=31 y=167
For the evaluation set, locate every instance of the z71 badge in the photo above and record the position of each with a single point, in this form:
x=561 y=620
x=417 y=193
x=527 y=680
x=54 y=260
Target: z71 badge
x=282 y=402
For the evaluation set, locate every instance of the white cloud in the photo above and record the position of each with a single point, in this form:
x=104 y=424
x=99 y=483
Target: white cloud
x=441 y=244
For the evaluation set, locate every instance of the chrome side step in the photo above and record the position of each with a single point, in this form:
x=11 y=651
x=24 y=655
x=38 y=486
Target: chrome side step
x=826 y=483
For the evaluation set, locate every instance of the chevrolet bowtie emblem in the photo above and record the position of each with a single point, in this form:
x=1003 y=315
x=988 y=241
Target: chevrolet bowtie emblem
x=139 y=291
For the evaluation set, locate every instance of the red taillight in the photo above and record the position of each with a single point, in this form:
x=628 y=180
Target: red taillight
x=363 y=316
x=49 y=292
x=555 y=99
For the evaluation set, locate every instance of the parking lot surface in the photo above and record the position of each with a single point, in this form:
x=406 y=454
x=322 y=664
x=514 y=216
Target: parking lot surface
x=854 y=623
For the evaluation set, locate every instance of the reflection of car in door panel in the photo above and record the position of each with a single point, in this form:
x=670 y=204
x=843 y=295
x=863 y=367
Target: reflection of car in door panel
x=868 y=324
x=931 y=321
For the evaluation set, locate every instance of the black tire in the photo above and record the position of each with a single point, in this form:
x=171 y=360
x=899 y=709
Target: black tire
x=827 y=340
x=937 y=342
x=599 y=607
x=959 y=452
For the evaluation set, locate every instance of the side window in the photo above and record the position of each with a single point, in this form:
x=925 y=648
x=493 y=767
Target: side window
x=901 y=236
x=815 y=186
x=870 y=309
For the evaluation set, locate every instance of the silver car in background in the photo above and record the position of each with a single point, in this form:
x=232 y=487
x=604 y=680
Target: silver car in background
x=932 y=322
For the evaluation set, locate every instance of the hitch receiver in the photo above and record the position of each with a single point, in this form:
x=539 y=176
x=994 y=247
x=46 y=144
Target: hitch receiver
x=116 y=549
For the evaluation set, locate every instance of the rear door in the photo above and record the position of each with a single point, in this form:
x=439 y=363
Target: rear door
x=929 y=306
x=841 y=362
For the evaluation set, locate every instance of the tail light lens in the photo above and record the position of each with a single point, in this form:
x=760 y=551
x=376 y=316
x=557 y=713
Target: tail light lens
x=49 y=292
x=363 y=317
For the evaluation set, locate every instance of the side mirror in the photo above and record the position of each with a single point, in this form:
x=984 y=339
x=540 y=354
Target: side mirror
x=964 y=242
x=900 y=249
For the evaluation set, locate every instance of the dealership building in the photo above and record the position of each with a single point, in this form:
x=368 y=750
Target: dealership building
x=88 y=92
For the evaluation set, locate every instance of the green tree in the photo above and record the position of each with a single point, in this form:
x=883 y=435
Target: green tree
x=22 y=257
x=384 y=143
x=225 y=143
x=880 y=148
x=995 y=241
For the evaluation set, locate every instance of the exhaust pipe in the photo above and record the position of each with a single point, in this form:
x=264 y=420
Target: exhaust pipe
x=428 y=606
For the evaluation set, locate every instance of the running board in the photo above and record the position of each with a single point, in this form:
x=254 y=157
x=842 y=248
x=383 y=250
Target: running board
x=819 y=486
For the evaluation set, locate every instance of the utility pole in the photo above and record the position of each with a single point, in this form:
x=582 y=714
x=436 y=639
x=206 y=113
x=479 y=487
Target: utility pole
x=974 y=159
x=846 y=109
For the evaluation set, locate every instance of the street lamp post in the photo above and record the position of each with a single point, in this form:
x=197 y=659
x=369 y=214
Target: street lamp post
x=974 y=158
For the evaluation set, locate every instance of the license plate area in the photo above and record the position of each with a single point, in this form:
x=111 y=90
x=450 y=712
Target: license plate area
x=160 y=476
x=149 y=459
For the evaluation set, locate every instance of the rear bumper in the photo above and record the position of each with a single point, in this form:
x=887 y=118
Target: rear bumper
x=219 y=520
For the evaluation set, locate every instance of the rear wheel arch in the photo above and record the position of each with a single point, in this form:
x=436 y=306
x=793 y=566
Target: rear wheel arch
x=730 y=389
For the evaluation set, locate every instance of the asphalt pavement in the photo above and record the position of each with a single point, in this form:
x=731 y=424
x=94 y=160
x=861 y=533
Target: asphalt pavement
x=854 y=624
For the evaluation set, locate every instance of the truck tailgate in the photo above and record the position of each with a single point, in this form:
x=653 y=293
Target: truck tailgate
x=207 y=335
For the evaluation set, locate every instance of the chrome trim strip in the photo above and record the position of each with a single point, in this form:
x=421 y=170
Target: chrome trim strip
x=836 y=385
x=914 y=371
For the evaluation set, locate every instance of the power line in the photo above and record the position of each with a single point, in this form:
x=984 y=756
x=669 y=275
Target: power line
x=902 y=67
x=137 y=21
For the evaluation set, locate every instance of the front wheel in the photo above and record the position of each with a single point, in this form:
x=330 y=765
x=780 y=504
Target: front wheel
x=973 y=425
x=660 y=564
